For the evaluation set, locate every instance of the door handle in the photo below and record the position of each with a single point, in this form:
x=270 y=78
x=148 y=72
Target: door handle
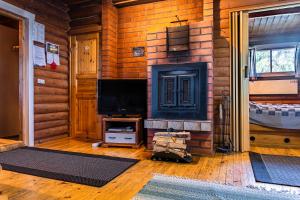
x=246 y=71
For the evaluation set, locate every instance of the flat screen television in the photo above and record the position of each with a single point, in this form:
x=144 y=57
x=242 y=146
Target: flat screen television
x=122 y=97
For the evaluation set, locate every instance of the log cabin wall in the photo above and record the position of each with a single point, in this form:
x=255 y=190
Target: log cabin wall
x=86 y=16
x=136 y=21
x=52 y=99
x=221 y=48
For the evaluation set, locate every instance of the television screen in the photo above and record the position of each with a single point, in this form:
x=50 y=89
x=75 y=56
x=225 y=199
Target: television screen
x=122 y=97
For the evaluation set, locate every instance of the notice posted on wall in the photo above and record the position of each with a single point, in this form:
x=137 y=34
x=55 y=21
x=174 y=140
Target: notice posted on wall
x=39 y=32
x=39 y=56
x=52 y=54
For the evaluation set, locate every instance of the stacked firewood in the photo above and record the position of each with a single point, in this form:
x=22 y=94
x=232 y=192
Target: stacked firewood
x=172 y=142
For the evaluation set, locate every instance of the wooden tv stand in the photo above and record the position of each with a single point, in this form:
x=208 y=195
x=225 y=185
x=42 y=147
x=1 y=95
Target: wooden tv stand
x=114 y=135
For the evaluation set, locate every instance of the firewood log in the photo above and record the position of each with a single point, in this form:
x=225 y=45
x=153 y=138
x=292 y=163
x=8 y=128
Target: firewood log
x=178 y=152
x=186 y=135
x=171 y=145
x=169 y=139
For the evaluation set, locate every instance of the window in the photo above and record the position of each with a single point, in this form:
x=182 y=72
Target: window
x=275 y=60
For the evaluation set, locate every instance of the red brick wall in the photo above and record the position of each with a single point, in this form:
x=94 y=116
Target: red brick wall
x=201 y=50
x=136 y=21
x=109 y=40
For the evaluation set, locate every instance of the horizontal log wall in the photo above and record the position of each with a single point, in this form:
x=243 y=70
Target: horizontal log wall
x=52 y=99
x=85 y=16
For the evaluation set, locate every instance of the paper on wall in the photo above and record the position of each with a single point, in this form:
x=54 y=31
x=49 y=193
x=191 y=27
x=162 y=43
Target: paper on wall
x=39 y=32
x=39 y=56
x=53 y=58
x=52 y=54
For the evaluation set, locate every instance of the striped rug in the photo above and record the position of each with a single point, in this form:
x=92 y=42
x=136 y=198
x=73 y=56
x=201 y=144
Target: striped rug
x=166 y=187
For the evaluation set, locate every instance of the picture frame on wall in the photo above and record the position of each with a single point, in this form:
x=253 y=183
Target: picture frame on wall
x=138 y=51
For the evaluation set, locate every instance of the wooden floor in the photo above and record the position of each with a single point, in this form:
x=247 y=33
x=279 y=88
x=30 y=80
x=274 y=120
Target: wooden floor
x=232 y=169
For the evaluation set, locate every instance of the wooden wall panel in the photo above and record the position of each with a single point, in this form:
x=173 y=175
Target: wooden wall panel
x=86 y=16
x=109 y=40
x=87 y=63
x=51 y=99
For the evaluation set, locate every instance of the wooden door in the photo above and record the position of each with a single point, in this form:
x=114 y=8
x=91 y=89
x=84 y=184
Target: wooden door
x=239 y=81
x=10 y=115
x=84 y=74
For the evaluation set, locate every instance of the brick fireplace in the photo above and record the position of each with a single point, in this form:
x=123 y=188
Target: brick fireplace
x=200 y=51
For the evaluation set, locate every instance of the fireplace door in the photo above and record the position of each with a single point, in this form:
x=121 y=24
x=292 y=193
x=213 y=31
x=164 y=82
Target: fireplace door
x=180 y=91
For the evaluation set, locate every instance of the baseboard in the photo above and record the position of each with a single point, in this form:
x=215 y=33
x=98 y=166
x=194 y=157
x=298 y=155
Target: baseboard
x=39 y=141
x=278 y=141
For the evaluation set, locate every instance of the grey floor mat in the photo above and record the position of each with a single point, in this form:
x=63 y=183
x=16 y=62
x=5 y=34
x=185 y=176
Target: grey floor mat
x=275 y=169
x=88 y=169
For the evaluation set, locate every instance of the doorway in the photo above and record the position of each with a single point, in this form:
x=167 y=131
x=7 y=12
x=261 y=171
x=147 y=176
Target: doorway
x=26 y=74
x=240 y=71
x=10 y=84
x=274 y=81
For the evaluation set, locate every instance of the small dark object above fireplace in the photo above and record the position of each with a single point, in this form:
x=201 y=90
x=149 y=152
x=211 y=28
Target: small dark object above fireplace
x=179 y=91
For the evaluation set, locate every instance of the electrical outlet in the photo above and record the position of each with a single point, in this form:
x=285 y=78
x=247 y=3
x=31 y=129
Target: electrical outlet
x=41 y=81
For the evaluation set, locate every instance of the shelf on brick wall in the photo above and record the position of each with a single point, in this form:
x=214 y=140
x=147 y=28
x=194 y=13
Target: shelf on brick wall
x=180 y=125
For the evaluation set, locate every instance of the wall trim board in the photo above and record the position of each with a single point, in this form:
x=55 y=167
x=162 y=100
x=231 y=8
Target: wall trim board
x=273 y=87
x=28 y=72
x=267 y=6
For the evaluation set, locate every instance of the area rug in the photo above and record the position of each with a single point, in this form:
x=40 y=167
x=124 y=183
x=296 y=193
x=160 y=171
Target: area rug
x=87 y=169
x=165 y=187
x=275 y=169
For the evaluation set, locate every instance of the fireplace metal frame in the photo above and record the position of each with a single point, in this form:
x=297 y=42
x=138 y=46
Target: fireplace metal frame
x=197 y=111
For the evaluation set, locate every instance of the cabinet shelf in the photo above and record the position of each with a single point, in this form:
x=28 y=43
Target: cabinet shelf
x=124 y=138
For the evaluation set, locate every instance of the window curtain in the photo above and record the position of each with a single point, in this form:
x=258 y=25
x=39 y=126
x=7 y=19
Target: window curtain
x=252 y=65
x=297 y=62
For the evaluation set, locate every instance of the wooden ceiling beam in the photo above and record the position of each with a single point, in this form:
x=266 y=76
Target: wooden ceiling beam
x=274 y=39
x=294 y=10
x=126 y=3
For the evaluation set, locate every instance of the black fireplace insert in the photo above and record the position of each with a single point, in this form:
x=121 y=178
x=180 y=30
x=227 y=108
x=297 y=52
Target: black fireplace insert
x=179 y=91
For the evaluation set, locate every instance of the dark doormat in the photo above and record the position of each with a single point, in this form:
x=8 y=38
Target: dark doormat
x=275 y=169
x=87 y=169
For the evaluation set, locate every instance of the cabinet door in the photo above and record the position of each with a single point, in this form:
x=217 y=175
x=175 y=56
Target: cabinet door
x=84 y=74
x=168 y=91
x=186 y=90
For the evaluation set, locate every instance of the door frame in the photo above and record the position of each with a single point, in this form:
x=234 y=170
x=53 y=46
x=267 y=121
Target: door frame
x=246 y=10
x=26 y=65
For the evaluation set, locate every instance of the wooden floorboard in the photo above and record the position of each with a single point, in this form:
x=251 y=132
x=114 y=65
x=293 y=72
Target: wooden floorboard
x=233 y=169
